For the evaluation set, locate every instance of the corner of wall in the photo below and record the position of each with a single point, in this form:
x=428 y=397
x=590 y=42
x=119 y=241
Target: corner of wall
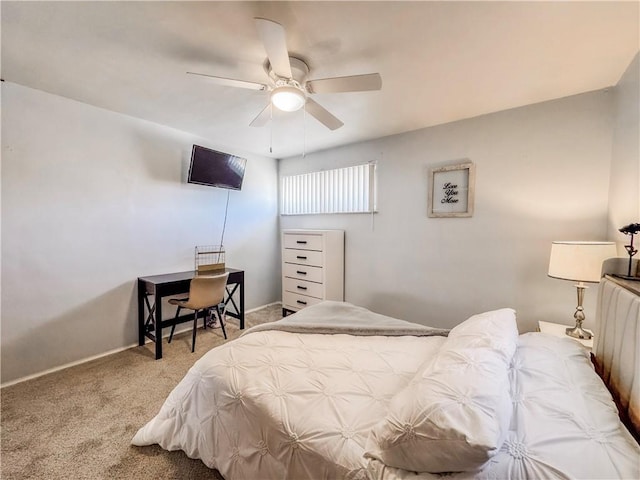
x=624 y=185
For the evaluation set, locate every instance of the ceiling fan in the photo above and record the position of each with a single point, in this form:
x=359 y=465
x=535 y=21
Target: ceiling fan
x=288 y=87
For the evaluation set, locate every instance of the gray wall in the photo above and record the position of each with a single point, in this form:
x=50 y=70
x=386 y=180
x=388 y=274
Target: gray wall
x=91 y=200
x=624 y=193
x=542 y=174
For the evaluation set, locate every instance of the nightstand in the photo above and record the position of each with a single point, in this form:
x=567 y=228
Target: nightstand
x=558 y=330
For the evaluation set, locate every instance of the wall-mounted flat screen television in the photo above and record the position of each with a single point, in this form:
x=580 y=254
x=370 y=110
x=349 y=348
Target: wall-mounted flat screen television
x=216 y=169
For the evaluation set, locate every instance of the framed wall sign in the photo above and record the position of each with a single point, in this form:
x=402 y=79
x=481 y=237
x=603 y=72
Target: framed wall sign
x=451 y=190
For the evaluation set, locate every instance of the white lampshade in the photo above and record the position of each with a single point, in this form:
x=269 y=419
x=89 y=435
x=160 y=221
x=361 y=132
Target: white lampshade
x=287 y=99
x=579 y=261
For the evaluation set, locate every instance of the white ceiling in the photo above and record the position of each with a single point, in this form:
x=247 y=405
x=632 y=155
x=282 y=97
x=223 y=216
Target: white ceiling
x=439 y=61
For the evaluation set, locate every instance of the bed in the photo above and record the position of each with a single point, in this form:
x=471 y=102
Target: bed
x=336 y=391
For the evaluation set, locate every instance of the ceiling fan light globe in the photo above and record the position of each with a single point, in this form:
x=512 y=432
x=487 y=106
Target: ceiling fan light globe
x=287 y=99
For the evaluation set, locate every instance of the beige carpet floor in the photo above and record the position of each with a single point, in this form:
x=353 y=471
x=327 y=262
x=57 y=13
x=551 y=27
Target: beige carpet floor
x=78 y=423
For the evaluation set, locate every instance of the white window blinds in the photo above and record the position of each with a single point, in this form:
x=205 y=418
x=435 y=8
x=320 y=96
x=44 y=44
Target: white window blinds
x=342 y=190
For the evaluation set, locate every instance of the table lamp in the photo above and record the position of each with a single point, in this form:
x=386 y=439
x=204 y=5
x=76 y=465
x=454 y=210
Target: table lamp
x=580 y=262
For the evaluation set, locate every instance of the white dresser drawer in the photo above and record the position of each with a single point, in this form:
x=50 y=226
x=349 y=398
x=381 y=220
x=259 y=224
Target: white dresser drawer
x=303 y=272
x=302 y=287
x=303 y=242
x=295 y=301
x=303 y=257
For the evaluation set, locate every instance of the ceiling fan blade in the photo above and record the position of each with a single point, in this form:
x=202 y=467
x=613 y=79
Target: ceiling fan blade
x=230 y=82
x=263 y=117
x=355 y=83
x=275 y=43
x=322 y=115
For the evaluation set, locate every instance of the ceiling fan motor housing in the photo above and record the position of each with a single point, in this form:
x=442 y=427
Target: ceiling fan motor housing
x=299 y=71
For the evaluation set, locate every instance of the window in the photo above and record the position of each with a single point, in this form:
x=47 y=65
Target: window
x=341 y=190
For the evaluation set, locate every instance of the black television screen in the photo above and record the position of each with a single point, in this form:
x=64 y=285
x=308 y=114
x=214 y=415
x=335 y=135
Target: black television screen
x=216 y=169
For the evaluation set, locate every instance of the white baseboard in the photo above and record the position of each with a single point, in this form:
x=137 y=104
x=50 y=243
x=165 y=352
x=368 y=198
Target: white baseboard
x=110 y=352
x=66 y=365
x=263 y=306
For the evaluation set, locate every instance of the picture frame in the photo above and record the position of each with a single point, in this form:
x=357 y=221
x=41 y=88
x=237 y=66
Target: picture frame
x=451 y=191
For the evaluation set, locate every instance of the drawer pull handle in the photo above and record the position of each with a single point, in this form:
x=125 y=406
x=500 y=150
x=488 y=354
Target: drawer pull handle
x=301 y=287
x=300 y=272
x=301 y=242
x=301 y=257
x=301 y=302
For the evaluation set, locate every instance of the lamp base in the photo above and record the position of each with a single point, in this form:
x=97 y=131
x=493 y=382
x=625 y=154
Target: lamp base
x=579 y=332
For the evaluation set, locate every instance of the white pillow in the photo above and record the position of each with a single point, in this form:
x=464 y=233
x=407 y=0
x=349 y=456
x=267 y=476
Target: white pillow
x=454 y=415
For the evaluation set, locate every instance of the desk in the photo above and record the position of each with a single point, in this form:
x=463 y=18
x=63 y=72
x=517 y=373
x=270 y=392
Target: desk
x=151 y=324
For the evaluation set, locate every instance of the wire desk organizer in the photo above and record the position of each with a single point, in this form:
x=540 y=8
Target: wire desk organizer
x=209 y=259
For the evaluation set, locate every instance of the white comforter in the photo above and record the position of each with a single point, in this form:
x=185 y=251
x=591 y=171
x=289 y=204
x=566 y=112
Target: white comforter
x=276 y=404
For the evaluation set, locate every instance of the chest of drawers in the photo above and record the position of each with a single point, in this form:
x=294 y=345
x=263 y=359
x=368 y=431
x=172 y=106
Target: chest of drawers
x=312 y=267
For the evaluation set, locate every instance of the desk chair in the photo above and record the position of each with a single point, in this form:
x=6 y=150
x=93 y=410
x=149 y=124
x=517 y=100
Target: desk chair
x=204 y=292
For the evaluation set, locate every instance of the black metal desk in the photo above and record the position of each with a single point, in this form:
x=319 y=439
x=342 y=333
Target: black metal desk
x=151 y=324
